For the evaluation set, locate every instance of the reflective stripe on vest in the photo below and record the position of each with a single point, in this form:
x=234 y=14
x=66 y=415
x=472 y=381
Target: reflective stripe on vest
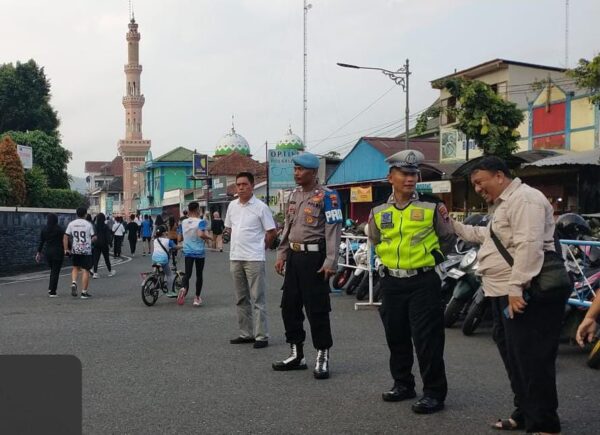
x=407 y=236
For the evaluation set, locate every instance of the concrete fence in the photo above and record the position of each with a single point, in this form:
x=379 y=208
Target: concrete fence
x=20 y=229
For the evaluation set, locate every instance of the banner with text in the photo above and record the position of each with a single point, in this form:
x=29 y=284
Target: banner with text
x=281 y=169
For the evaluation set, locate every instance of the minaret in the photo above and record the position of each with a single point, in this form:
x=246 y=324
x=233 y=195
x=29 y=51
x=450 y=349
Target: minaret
x=133 y=148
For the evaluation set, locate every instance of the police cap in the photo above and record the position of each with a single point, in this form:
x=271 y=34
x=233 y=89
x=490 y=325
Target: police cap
x=306 y=160
x=406 y=160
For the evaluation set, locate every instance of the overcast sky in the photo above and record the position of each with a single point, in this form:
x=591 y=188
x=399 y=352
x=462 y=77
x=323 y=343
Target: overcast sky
x=205 y=60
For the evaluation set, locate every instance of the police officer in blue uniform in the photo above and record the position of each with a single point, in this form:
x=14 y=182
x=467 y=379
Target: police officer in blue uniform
x=308 y=253
x=410 y=232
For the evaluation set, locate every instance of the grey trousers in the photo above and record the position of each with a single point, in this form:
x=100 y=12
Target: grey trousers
x=250 y=292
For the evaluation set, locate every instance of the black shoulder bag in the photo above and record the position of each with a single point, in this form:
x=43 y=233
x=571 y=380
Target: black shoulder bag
x=552 y=284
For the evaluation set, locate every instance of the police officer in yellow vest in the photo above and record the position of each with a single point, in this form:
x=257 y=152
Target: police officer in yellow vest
x=410 y=233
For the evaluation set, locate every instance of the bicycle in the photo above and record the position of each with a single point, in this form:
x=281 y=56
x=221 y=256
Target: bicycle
x=155 y=282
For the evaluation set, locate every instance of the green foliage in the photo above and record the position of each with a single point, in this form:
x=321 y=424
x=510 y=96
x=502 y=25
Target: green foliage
x=48 y=154
x=10 y=163
x=63 y=198
x=484 y=116
x=423 y=119
x=25 y=99
x=333 y=155
x=37 y=185
x=587 y=75
x=4 y=188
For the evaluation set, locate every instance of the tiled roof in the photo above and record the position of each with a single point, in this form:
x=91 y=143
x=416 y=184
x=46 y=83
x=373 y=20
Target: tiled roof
x=235 y=163
x=114 y=167
x=94 y=166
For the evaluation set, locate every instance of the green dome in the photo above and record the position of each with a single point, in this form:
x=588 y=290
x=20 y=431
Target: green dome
x=232 y=142
x=290 y=142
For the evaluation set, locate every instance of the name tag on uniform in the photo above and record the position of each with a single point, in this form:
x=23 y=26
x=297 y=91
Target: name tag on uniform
x=417 y=214
x=386 y=220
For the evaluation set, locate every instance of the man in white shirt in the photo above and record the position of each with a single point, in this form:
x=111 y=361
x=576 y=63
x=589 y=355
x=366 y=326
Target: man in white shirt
x=252 y=228
x=81 y=234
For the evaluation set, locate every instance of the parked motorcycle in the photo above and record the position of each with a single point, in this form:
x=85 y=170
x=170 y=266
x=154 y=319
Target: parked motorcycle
x=466 y=286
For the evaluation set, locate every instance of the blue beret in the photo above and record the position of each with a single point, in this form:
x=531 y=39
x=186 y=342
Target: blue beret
x=306 y=160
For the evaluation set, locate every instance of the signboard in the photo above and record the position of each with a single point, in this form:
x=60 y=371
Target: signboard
x=26 y=155
x=361 y=194
x=281 y=169
x=109 y=205
x=219 y=188
x=434 y=187
x=200 y=165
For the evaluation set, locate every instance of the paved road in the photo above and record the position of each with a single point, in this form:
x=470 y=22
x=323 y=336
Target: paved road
x=170 y=369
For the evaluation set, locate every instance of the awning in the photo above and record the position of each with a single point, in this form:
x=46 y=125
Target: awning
x=513 y=162
x=591 y=157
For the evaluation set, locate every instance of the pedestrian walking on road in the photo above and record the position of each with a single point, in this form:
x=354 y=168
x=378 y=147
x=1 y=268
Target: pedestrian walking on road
x=51 y=239
x=80 y=233
x=102 y=244
x=118 y=230
x=411 y=232
x=217 y=227
x=526 y=329
x=193 y=234
x=133 y=231
x=309 y=254
x=146 y=230
x=252 y=229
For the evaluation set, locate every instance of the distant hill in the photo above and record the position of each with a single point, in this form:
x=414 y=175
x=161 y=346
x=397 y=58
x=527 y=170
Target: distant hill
x=79 y=184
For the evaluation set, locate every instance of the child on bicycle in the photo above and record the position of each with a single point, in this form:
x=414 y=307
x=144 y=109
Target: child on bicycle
x=163 y=249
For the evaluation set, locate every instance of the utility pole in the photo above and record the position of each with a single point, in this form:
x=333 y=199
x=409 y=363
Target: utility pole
x=307 y=6
x=268 y=169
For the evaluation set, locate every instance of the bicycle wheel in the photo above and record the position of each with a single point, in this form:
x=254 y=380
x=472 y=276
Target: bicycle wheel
x=178 y=282
x=150 y=290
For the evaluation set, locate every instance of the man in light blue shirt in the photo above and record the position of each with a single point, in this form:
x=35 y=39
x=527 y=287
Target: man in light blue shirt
x=192 y=231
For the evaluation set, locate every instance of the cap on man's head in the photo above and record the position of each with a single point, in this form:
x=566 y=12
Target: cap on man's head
x=306 y=160
x=406 y=160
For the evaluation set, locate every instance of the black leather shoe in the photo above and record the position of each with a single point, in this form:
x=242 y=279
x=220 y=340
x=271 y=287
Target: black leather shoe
x=259 y=344
x=242 y=340
x=427 y=405
x=398 y=393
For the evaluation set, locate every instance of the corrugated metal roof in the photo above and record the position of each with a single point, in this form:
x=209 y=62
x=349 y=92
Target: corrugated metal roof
x=591 y=157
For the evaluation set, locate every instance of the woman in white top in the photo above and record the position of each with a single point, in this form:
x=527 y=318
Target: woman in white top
x=118 y=230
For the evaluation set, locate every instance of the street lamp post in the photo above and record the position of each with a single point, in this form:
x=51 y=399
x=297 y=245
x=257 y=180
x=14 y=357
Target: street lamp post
x=400 y=77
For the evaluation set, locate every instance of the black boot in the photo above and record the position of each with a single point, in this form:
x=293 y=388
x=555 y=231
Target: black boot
x=295 y=361
x=322 y=366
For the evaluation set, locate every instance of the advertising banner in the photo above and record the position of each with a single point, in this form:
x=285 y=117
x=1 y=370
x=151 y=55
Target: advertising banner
x=200 y=165
x=26 y=155
x=361 y=194
x=281 y=169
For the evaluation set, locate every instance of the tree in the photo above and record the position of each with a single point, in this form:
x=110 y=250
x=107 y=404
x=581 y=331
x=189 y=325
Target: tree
x=484 y=116
x=10 y=164
x=37 y=186
x=587 y=75
x=48 y=154
x=25 y=99
x=333 y=155
x=4 y=188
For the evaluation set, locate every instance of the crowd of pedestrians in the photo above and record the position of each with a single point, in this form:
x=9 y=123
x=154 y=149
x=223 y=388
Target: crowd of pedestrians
x=411 y=232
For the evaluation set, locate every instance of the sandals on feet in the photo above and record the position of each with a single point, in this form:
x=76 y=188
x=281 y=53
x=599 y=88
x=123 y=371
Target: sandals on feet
x=507 y=424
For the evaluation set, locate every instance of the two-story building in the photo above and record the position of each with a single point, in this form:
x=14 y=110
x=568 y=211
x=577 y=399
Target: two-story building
x=105 y=186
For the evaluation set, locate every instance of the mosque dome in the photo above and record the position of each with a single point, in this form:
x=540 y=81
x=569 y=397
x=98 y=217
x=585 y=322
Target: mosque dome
x=290 y=142
x=232 y=142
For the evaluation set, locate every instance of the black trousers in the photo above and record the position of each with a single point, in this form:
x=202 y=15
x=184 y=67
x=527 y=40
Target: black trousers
x=189 y=265
x=528 y=345
x=118 y=240
x=304 y=288
x=55 y=261
x=101 y=250
x=412 y=313
x=132 y=243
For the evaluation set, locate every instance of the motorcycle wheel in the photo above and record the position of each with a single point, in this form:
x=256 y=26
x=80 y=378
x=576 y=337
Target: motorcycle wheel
x=594 y=357
x=353 y=283
x=474 y=317
x=339 y=280
x=452 y=311
x=362 y=290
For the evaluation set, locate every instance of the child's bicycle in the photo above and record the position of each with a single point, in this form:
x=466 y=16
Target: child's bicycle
x=155 y=283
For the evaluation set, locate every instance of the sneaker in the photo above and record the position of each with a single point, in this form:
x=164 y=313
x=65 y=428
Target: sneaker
x=95 y=276
x=85 y=295
x=52 y=294
x=74 y=289
x=112 y=272
x=197 y=301
x=171 y=294
x=181 y=296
